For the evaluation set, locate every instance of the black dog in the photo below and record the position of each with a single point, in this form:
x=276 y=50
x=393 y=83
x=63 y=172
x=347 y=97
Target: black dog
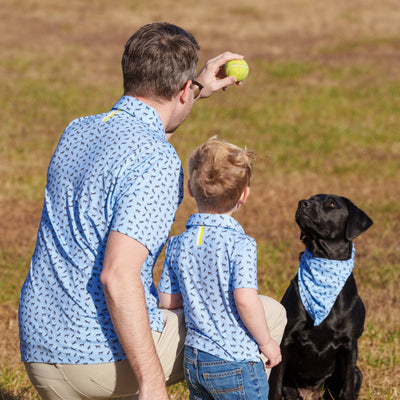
x=319 y=352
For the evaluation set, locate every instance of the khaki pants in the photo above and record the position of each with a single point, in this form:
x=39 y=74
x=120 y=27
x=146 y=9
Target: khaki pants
x=116 y=380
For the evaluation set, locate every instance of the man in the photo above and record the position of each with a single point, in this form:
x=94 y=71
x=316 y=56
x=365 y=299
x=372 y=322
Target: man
x=90 y=326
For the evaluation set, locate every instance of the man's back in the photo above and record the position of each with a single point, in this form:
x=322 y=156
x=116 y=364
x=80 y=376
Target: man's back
x=109 y=172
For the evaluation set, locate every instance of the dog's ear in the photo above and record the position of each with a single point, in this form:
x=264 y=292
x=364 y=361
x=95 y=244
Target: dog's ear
x=357 y=222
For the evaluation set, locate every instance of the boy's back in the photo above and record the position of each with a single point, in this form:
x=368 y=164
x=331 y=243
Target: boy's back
x=206 y=263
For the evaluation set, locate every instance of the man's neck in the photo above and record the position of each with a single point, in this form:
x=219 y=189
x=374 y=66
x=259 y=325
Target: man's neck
x=163 y=110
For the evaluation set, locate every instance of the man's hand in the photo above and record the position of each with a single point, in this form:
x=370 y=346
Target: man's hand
x=212 y=75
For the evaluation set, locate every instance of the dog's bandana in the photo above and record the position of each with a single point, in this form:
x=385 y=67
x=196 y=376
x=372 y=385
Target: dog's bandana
x=320 y=282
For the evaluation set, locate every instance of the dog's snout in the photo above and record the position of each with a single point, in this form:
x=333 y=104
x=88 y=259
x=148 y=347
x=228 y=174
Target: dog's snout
x=304 y=204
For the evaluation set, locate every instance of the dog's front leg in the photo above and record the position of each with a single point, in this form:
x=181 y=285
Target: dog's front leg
x=345 y=383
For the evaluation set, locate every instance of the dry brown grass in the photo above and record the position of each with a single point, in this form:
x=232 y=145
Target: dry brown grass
x=61 y=60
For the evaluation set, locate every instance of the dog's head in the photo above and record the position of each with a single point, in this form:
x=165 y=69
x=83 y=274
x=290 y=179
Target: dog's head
x=329 y=223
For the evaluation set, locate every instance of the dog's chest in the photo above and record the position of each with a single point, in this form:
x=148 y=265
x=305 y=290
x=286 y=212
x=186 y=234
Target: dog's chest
x=314 y=340
x=319 y=345
x=313 y=353
x=320 y=282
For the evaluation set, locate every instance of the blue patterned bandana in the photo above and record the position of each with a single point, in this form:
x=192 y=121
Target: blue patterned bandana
x=320 y=282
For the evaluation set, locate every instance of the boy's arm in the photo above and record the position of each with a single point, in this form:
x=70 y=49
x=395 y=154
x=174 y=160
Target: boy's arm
x=170 y=300
x=252 y=314
x=169 y=292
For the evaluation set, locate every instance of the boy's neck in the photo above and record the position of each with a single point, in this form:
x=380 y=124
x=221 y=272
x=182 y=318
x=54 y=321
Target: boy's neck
x=230 y=212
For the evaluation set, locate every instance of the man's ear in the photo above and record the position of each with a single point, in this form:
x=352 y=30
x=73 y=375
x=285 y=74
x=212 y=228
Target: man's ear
x=189 y=188
x=185 y=92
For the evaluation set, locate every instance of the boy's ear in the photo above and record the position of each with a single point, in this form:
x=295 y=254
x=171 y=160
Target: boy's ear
x=245 y=194
x=189 y=188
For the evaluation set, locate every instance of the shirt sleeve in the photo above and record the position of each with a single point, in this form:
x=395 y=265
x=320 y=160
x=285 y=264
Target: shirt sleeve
x=244 y=265
x=169 y=282
x=147 y=199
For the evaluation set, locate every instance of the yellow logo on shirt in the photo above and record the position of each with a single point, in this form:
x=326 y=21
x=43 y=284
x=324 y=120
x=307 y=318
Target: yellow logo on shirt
x=107 y=117
x=200 y=235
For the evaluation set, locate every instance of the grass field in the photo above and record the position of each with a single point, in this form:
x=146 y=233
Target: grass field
x=320 y=108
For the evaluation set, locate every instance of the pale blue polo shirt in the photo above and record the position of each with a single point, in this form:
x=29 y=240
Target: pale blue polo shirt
x=113 y=171
x=206 y=263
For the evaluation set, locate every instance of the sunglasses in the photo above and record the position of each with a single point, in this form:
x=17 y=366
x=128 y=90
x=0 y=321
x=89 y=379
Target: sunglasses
x=196 y=87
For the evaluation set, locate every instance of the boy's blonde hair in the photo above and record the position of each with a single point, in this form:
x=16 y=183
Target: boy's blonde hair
x=219 y=173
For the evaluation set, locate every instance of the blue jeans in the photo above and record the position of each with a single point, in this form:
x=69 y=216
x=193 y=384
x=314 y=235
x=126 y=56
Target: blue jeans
x=210 y=377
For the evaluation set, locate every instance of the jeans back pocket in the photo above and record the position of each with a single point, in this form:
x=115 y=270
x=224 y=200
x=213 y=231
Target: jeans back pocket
x=225 y=384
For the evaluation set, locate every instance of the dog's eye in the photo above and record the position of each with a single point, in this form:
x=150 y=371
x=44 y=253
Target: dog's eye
x=331 y=204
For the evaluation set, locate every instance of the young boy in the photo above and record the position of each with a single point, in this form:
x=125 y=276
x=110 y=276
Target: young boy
x=211 y=269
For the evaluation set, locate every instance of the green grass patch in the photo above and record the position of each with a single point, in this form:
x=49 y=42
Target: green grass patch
x=13 y=272
x=291 y=70
x=13 y=384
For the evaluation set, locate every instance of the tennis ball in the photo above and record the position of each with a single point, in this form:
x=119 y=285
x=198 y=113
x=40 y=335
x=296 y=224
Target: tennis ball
x=237 y=68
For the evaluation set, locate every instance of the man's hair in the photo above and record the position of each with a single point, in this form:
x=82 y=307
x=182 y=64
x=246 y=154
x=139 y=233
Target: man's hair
x=219 y=173
x=158 y=60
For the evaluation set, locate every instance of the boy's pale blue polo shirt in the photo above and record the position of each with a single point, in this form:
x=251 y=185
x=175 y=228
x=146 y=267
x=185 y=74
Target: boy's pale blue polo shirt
x=206 y=263
x=112 y=171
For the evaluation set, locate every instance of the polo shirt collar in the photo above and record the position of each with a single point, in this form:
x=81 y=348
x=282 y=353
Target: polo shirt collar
x=137 y=109
x=215 y=220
